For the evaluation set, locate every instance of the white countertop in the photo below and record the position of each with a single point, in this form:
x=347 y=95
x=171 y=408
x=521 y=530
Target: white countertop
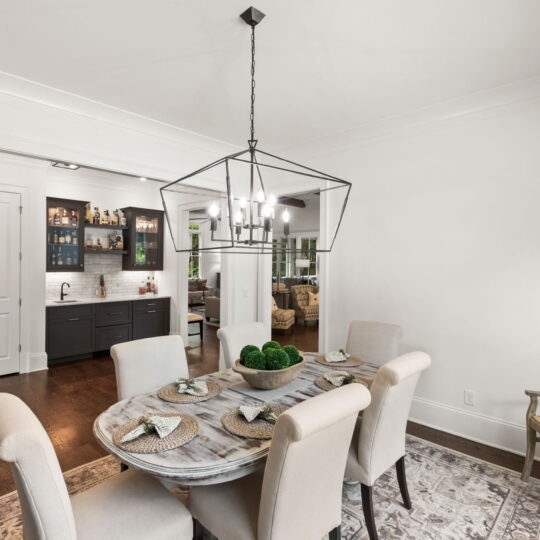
x=94 y=300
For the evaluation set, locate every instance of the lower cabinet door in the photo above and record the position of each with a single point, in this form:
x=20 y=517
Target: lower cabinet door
x=70 y=336
x=108 y=336
x=150 y=323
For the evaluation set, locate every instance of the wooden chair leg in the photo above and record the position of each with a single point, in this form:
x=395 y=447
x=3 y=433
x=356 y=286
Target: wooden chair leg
x=335 y=534
x=367 y=505
x=201 y=329
x=402 y=480
x=529 y=457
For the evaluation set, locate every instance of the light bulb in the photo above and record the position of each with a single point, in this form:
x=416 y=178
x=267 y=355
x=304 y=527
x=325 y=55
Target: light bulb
x=286 y=216
x=243 y=202
x=142 y=179
x=238 y=218
x=213 y=211
x=266 y=210
x=272 y=200
x=260 y=196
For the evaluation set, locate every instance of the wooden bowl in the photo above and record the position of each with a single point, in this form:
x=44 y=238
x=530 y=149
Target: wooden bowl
x=266 y=379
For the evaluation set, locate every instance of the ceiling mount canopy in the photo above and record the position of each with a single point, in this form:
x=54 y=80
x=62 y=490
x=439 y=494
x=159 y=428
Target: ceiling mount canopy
x=257 y=202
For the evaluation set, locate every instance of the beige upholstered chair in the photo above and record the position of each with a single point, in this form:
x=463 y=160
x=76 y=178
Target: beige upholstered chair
x=212 y=307
x=299 y=494
x=374 y=342
x=533 y=428
x=282 y=319
x=379 y=439
x=128 y=505
x=144 y=365
x=233 y=338
x=300 y=301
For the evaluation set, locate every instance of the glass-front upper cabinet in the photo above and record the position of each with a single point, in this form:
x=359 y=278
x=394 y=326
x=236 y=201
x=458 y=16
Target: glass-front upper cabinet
x=144 y=238
x=65 y=235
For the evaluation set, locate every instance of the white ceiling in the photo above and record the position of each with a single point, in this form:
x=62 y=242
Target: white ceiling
x=322 y=66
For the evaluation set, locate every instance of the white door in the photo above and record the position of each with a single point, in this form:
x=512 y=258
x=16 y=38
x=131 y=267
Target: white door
x=10 y=242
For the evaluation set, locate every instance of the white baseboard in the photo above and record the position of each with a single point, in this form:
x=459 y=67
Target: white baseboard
x=470 y=425
x=34 y=362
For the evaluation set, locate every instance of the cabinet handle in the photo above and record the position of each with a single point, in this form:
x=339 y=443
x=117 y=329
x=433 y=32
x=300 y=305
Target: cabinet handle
x=151 y=311
x=74 y=319
x=151 y=304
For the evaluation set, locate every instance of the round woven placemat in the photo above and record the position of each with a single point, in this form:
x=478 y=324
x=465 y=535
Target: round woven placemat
x=322 y=383
x=169 y=393
x=151 y=443
x=256 y=429
x=350 y=362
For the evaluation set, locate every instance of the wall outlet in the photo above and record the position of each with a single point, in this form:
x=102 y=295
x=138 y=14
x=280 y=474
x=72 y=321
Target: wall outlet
x=469 y=398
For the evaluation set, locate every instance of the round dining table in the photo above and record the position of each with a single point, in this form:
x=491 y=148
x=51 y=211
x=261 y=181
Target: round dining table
x=214 y=455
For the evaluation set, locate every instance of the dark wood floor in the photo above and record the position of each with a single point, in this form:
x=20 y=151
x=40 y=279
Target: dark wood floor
x=68 y=397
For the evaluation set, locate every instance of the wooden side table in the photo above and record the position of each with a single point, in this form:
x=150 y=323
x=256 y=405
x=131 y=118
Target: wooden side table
x=194 y=318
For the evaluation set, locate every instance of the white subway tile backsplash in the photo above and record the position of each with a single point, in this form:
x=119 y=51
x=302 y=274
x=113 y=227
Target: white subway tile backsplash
x=84 y=284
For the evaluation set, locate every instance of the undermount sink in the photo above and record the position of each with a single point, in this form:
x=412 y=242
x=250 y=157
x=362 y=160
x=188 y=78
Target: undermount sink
x=64 y=301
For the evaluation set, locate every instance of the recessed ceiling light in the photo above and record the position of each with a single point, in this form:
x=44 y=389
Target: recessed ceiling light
x=143 y=179
x=64 y=165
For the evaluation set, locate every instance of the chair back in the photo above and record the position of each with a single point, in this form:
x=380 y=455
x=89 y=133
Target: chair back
x=300 y=295
x=24 y=444
x=303 y=478
x=144 y=365
x=374 y=342
x=234 y=337
x=382 y=433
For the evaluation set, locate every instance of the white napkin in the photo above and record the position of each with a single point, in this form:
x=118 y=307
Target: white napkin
x=338 y=378
x=337 y=356
x=192 y=386
x=162 y=425
x=250 y=412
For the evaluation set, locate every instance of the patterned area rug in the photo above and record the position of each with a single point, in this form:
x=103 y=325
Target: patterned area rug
x=454 y=496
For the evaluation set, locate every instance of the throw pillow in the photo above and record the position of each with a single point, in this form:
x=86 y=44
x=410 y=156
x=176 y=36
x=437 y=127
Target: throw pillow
x=201 y=284
x=313 y=299
x=193 y=285
x=274 y=305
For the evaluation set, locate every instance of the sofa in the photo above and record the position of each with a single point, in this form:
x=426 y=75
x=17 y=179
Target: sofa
x=197 y=290
x=300 y=302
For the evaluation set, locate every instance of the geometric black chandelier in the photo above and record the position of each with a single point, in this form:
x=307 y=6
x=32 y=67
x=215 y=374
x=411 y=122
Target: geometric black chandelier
x=255 y=201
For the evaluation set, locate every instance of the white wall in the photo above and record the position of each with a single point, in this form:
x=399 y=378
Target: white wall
x=442 y=236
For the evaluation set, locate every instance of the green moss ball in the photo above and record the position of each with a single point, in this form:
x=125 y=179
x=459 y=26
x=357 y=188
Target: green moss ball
x=293 y=354
x=271 y=345
x=246 y=350
x=277 y=359
x=255 y=360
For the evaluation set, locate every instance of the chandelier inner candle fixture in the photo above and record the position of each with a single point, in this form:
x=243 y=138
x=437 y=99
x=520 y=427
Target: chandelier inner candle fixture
x=256 y=202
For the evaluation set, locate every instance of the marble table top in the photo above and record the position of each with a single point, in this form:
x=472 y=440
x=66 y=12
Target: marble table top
x=214 y=455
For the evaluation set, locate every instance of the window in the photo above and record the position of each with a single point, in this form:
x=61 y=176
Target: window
x=195 y=254
x=308 y=247
x=280 y=259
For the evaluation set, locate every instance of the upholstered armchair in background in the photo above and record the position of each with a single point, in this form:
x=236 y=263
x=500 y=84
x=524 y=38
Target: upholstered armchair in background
x=301 y=305
x=533 y=427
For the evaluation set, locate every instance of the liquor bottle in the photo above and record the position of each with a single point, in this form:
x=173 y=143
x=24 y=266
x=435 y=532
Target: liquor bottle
x=48 y=238
x=55 y=238
x=68 y=238
x=53 y=259
x=56 y=218
x=65 y=218
x=123 y=221
x=62 y=238
x=75 y=239
x=59 y=259
x=148 y=284
x=96 y=216
x=105 y=220
x=152 y=285
x=69 y=260
x=88 y=213
x=115 y=220
x=74 y=220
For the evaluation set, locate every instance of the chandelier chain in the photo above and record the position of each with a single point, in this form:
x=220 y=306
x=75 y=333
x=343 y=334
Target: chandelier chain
x=252 y=112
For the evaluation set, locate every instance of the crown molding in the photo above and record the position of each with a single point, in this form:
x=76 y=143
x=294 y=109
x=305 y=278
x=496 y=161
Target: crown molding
x=523 y=92
x=66 y=101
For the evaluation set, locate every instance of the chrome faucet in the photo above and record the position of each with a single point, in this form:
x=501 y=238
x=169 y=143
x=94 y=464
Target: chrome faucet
x=62 y=293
